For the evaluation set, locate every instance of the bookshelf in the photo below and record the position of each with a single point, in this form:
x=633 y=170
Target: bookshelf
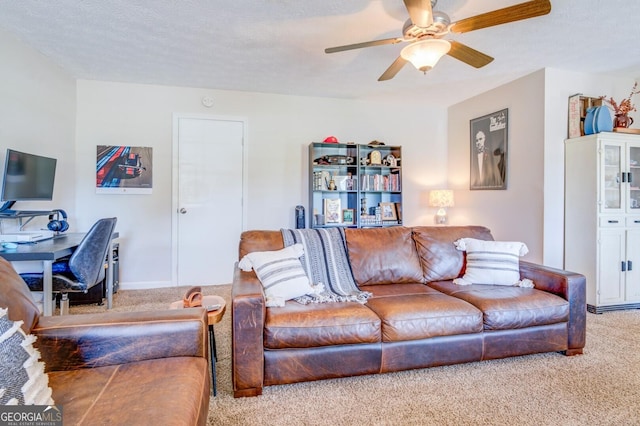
x=353 y=185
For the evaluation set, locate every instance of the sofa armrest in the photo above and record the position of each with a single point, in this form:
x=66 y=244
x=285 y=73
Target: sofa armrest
x=568 y=285
x=70 y=342
x=247 y=316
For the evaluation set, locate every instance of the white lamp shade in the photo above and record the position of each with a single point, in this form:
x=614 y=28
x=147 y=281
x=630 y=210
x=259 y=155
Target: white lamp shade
x=425 y=54
x=441 y=198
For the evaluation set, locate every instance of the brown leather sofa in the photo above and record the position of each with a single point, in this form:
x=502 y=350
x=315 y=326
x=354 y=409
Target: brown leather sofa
x=119 y=368
x=416 y=318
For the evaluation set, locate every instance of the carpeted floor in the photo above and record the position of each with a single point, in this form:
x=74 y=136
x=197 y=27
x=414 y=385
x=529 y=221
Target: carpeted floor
x=601 y=387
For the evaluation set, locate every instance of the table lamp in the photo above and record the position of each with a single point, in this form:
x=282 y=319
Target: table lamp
x=441 y=198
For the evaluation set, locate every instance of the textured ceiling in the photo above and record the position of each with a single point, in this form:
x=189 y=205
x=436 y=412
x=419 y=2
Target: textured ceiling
x=277 y=46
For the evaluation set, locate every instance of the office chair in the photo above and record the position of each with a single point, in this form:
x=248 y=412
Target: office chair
x=83 y=269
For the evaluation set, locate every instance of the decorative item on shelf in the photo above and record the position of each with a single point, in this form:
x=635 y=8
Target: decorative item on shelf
x=348 y=217
x=332 y=210
x=375 y=158
x=332 y=185
x=349 y=183
x=388 y=212
x=375 y=143
x=333 y=160
x=391 y=161
x=441 y=198
x=330 y=139
x=621 y=111
x=363 y=206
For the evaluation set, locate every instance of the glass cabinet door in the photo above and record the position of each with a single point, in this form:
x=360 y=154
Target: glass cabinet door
x=612 y=177
x=633 y=206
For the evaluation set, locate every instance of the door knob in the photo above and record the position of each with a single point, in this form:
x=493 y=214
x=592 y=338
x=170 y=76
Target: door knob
x=183 y=210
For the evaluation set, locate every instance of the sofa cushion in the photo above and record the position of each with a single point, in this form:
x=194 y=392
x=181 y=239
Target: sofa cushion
x=492 y=262
x=506 y=307
x=421 y=316
x=158 y=391
x=438 y=255
x=320 y=324
x=383 y=256
x=280 y=273
x=396 y=290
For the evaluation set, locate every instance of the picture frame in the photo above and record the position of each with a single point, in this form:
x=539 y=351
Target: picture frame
x=388 y=212
x=124 y=169
x=488 y=150
x=348 y=216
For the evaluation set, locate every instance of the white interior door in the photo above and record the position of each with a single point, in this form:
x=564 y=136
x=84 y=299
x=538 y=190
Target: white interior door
x=209 y=208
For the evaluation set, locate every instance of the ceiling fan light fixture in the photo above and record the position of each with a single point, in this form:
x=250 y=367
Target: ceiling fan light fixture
x=425 y=54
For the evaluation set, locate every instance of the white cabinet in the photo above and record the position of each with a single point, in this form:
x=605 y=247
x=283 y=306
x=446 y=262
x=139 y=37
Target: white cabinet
x=602 y=218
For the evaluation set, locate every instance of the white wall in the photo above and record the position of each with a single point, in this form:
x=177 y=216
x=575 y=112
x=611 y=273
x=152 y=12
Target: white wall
x=37 y=115
x=517 y=212
x=532 y=207
x=280 y=129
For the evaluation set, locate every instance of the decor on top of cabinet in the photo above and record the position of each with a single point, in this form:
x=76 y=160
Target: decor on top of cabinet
x=578 y=107
x=622 y=110
x=598 y=119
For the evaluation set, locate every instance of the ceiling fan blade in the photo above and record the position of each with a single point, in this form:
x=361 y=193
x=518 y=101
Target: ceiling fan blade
x=518 y=12
x=420 y=12
x=470 y=56
x=364 y=44
x=393 y=69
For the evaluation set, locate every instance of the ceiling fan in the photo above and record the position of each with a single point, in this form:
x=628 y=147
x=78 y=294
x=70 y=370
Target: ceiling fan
x=425 y=29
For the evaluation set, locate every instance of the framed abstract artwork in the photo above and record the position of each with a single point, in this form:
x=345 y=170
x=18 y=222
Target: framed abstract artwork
x=123 y=169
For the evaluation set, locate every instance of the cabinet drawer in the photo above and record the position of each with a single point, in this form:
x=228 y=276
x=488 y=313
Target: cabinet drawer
x=612 y=221
x=633 y=222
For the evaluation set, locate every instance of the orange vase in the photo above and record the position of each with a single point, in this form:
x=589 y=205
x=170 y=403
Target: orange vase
x=622 y=120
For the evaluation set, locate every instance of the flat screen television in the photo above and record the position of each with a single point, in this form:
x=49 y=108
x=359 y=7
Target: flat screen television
x=27 y=177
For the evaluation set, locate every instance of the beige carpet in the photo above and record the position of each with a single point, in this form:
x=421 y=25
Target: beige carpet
x=601 y=387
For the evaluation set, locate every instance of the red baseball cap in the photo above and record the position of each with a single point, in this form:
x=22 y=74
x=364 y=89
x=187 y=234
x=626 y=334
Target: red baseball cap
x=331 y=139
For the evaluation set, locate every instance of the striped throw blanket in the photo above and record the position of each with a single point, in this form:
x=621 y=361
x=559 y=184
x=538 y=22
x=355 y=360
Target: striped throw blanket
x=325 y=261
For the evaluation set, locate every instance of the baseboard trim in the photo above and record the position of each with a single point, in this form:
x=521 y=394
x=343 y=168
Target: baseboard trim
x=149 y=285
x=145 y=285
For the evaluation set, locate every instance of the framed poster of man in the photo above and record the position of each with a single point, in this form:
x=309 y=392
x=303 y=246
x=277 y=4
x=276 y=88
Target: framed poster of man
x=488 y=166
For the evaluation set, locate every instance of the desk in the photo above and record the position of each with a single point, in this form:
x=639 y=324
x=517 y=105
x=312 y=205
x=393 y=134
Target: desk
x=51 y=250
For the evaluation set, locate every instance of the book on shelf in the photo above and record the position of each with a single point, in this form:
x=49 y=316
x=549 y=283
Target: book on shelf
x=332 y=210
x=380 y=182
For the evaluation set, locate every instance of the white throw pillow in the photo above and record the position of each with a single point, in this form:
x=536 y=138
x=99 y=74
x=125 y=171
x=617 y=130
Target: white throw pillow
x=22 y=377
x=280 y=273
x=492 y=262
